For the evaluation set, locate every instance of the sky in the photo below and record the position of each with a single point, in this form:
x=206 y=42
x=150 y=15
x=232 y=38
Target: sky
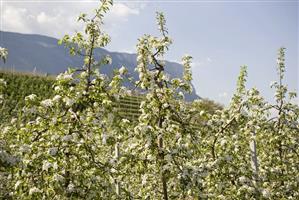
x=220 y=35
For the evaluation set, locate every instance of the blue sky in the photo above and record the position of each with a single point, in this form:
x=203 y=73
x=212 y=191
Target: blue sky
x=220 y=35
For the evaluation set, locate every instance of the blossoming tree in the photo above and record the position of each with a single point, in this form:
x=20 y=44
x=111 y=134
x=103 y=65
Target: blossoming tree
x=162 y=144
x=249 y=149
x=75 y=145
x=65 y=144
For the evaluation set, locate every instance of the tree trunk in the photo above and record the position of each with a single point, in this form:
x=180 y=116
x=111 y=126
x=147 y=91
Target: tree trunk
x=161 y=152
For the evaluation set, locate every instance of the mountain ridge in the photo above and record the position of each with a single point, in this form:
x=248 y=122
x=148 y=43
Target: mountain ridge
x=36 y=52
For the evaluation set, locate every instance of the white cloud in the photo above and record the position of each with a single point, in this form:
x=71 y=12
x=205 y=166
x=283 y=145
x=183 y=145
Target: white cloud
x=57 y=19
x=43 y=18
x=13 y=18
x=122 y=11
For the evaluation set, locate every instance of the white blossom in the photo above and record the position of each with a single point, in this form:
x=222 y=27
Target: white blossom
x=71 y=187
x=84 y=74
x=165 y=105
x=125 y=121
x=13 y=120
x=202 y=112
x=46 y=165
x=165 y=77
x=64 y=76
x=57 y=88
x=34 y=190
x=95 y=104
x=68 y=101
x=67 y=138
x=129 y=92
x=30 y=97
x=266 y=193
x=112 y=169
x=17 y=184
x=47 y=103
x=56 y=98
x=55 y=166
x=2 y=81
x=6 y=129
x=25 y=148
x=58 y=178
x=104 y=138
x=223 y=142
x=122 y=70
x=242 y=179
x=3 y=53
x=144 y=179
x=181 y=94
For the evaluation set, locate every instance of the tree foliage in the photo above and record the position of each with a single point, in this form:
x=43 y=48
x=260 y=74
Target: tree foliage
x=75 y=145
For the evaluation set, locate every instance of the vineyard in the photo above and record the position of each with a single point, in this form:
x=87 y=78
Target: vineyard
x=83 y=135
x=20 y=85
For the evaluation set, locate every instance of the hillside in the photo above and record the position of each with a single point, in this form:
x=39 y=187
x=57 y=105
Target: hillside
x=20 y=85
x=28 y=52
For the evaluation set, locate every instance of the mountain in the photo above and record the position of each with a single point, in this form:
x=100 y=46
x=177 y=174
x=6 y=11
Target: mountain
x=30 y=52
